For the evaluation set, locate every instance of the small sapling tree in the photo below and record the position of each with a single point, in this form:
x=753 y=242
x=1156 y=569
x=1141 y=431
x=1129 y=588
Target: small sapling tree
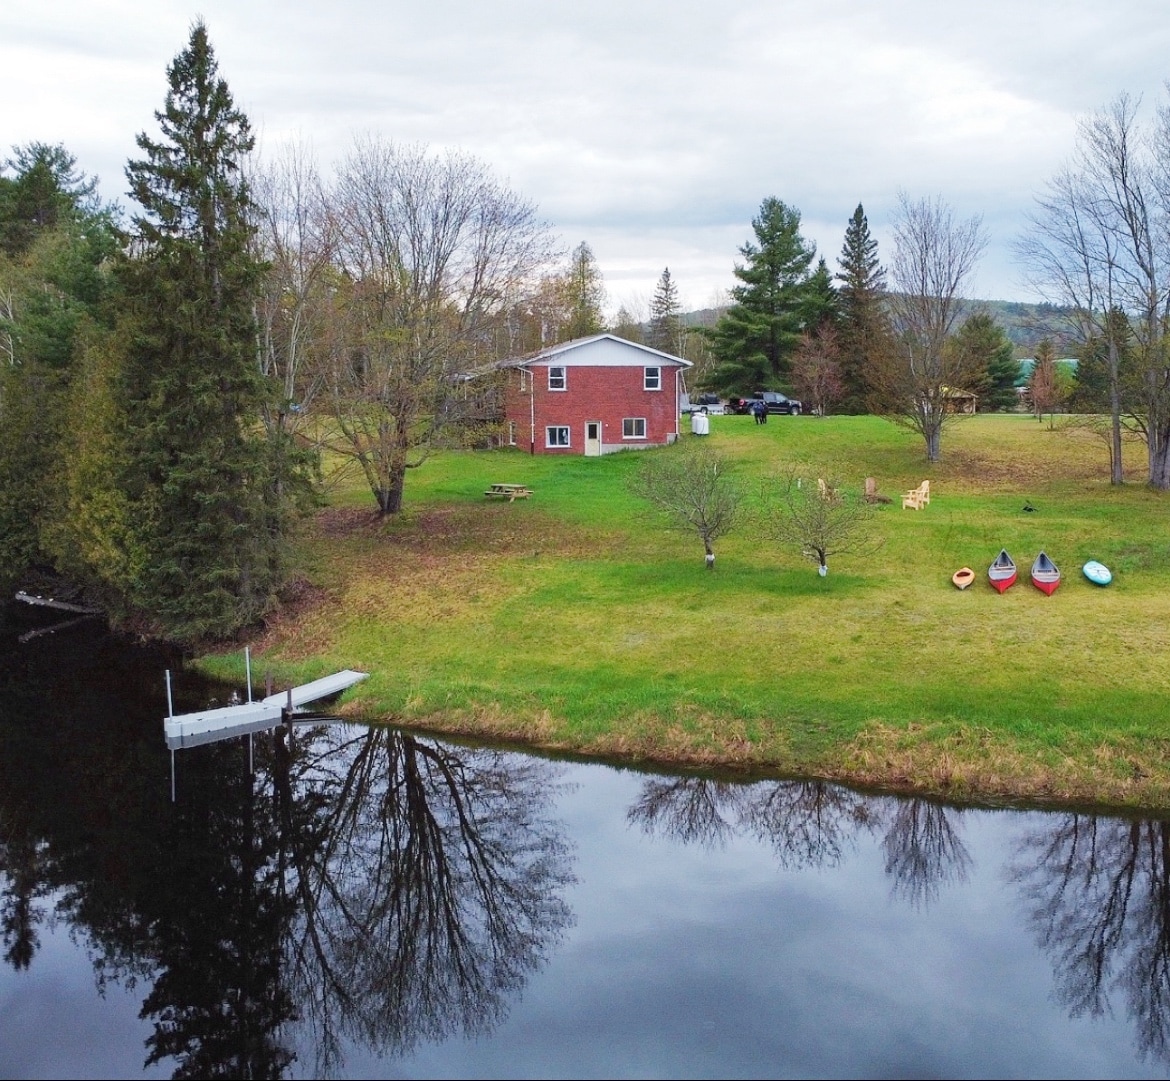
x=691 y=486
x=819 y=519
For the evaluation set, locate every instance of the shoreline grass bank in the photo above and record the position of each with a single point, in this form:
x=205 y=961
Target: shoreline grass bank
x=574 y=621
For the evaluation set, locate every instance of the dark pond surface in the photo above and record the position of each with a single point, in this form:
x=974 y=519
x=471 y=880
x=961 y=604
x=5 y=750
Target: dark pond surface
x=370 y=903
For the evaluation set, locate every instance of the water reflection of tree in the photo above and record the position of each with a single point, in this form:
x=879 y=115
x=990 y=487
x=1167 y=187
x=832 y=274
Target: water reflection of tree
x=923 y=850
x=371 y=885
x=810 y=824
x=1099 y=891
x=428 y=883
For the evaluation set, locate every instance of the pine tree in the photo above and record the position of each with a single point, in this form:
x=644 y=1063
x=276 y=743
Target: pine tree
x=983 y=340
x=665 y=323
x=585 y=293
x=197 y=465
x=864 y=325
x=755 y=338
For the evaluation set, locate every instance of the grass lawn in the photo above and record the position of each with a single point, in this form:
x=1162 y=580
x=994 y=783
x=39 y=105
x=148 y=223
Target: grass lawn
x=576 y=620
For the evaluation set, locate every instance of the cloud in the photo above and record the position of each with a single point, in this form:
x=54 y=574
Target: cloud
x=652 y=130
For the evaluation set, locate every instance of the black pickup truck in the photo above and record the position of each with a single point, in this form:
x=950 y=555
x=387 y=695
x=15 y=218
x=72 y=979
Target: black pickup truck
x=774 y=402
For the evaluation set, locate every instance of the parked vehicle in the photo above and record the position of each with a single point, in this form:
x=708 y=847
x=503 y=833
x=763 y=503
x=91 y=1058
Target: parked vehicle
x=774 y=402
x=710 y=404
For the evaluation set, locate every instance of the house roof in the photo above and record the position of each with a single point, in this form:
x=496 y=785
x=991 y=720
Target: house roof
x=602 y=349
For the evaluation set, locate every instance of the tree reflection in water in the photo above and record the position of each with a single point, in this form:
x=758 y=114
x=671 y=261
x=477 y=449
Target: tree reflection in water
x=1099 y=895
x=363 y=885
x=811 y=824
x=428 y=882
x=923 y=850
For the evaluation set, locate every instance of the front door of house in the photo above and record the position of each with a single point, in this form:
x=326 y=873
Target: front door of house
x=593 y=439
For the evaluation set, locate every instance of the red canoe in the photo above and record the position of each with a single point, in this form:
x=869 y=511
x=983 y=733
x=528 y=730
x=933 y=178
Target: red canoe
x=1002 y=573
x=1045 y=575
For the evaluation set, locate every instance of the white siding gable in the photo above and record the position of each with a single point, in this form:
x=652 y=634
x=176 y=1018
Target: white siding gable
x=605 y=352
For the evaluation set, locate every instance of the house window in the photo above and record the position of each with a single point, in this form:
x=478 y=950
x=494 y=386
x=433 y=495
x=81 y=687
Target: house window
x=525 y=380
x=634 y=428
x=556 y=435
x=556 y=379
x=653 y=379
x=511 y=433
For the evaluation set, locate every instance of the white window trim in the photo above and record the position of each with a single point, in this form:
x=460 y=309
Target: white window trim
x=549 y=429
x=633 y=422
x=511 y=433
x=646 y=377
x=564 y=377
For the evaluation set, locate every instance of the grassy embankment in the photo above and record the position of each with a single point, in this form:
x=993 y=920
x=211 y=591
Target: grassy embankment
x=574 y=621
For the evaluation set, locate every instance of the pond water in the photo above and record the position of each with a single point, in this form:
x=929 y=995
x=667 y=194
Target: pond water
x=363 y=902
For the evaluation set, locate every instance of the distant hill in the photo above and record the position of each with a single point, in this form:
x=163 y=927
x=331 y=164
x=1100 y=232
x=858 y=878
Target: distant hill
x=1026 y=325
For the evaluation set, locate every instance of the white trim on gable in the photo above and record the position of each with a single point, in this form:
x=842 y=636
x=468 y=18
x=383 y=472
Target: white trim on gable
x=603 y=351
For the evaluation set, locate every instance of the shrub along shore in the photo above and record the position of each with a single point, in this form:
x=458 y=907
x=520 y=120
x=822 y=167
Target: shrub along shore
x=576 y=621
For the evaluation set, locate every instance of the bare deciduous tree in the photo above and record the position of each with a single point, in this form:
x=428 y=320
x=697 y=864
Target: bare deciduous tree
x=297 y=241
x=691 y=485
x=1100 y=243
x=432 y=253
x=934 y=257
x=820 y=520
x=816 y=369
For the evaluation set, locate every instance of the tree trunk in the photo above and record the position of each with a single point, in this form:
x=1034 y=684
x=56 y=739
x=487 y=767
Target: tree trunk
x=1160 y=463
x=934 y=443
x=1116 y=473
x=390 y=496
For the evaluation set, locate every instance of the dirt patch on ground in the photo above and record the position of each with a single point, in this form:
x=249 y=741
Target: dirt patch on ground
x=497 y=527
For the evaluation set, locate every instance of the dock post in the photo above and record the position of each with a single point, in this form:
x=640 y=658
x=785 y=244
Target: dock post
x=248 y=669
x=170 y=704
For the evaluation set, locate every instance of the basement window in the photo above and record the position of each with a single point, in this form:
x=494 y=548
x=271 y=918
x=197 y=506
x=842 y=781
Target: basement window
x=634 y=428
x=556 y=435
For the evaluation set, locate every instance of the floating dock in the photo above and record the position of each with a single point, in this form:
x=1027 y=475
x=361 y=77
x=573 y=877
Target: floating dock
x=209 y=725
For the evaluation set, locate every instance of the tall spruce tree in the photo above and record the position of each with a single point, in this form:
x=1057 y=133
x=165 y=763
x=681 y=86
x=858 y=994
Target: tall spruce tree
x=584 y=294
x=665 y=321
x=197 y=466
x=864 y=323
x=755 y=338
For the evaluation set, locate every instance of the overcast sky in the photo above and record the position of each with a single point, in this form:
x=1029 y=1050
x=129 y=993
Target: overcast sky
x=652 y=130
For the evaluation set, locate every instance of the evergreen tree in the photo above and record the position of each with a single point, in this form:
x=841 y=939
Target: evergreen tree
x=984 y=340
x=1090 y=393
x=197 y=466
x=665 y=323
x=54 y=243
x=46 y=191
x=755 y=338
x=585 y=294
x=822 y=305
x=627 y=325
x=864 y=324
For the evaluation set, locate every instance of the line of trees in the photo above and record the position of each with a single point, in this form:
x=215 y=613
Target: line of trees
x=848 y=342
x=1099 y=243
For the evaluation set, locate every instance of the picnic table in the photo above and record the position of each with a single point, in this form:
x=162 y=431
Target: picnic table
x=510 y=492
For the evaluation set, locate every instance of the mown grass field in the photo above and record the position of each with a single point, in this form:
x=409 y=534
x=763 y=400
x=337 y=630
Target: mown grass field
x=575 y=620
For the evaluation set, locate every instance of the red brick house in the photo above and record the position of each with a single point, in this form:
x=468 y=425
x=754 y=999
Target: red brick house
x=593 y=396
